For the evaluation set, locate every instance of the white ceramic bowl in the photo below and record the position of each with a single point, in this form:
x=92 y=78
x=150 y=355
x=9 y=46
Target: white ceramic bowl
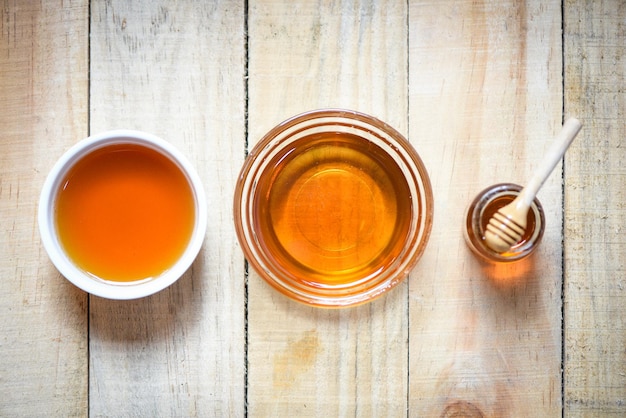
x=48 y=230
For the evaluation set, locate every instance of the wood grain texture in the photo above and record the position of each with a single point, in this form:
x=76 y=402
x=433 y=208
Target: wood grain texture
x=485 y=102
x=595 y=207
x=43 y=110
x=308 y=361
x=175 y=69
x=479 y=87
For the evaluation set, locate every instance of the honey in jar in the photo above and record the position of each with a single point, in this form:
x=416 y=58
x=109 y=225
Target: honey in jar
x=482 y=209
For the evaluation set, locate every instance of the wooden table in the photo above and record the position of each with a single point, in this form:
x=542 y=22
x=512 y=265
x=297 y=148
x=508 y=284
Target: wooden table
x=479 y=88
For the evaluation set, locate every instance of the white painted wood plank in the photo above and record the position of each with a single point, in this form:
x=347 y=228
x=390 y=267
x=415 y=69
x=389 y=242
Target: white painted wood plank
x=175 y=69
x=43 y=110
x=485 y=101
x=309 y=361
x=595 y=207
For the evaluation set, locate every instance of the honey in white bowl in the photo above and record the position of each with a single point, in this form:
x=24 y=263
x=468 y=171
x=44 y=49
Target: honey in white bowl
x=124 y=212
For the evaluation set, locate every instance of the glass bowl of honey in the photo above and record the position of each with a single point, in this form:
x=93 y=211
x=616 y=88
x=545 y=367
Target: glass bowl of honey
x=122 y=214
x=333 y=208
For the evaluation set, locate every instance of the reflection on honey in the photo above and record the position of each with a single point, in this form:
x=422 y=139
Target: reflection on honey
x=336 y=209
x=125 y=213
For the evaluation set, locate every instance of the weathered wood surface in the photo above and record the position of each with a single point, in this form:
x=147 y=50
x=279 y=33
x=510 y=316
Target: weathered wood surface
x=43 y=110
x=479 y=88
x=595 y=211
x=485 y=102
x=306 y=361
x=175 y=69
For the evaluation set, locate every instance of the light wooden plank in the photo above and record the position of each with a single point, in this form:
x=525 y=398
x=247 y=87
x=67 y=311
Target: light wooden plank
x=43 y=110
x=595 y=207
x=175 y=69
x=308 y=361
x=485 y=101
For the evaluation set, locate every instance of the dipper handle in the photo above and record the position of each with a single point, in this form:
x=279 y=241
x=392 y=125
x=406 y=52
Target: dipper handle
x=555 y=153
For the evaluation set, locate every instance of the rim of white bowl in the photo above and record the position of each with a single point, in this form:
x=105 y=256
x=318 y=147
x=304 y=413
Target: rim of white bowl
x=47 y=227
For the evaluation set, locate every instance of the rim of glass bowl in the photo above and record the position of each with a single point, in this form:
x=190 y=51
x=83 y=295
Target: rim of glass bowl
x=368 y=128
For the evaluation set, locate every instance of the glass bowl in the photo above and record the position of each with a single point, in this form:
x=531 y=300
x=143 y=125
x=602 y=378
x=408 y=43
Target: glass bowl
x=333 y=208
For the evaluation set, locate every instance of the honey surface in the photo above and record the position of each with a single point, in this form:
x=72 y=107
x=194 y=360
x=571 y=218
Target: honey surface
x=125 y=213
x=335 y=210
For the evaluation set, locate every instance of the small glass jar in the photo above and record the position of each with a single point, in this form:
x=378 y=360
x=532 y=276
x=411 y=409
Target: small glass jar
x=480 y=211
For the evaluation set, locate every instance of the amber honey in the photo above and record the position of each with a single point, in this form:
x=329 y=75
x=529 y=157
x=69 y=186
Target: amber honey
x=124 y=213
x=336 y=209
x=482 y=209
x=497 y=204
x=333 y=208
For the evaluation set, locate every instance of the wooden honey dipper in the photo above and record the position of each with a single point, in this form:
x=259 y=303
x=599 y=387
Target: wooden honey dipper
x=506 y=227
